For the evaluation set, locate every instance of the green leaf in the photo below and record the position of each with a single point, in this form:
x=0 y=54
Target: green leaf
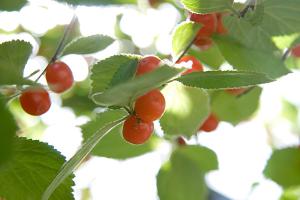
x=207 y=6
x=12 y=64
x=186 y=109
x=50 y=40
x=183 y=35
x=292 y=193
x=87 y=45
x=283 y=167
x=9 y=5
x=251 y=36
x=275 y=19
x=204 y=158
x=85 y=149
x=235 y=109
x=281 y=18
x=8 y=131
x=33 y=165
x=211 y=57
x=97 y=2
x=183 y=177
x=78 y=99
x=125 y=93
x=113 y=145
x=223 y=79
x=113 y=70
x=247 y=59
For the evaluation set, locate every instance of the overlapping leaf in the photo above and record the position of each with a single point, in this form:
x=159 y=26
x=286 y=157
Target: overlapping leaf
x=206 y=6
x=13 y=58
x=125 y=93
x=8 y=131
x=87 y=45
x=248 y=59
x=183 y=35
x=186 y=109
x=111 y=71
x=33 y=166
x=283 y=167
x=223 y=79
x=183 y=177
x=234 y=109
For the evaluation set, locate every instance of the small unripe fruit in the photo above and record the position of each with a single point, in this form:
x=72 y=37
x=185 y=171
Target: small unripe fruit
x=210 y=124
x=35 y=101
x=147 y=64
x=136 y=131
x=59 y=77
x=150 y=106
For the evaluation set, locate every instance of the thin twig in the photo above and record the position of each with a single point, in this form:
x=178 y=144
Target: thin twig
x=60 y=45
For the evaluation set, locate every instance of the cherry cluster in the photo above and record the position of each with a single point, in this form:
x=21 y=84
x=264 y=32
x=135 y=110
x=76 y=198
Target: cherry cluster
x=211 y=23
x=35 y=100
x=139 y=126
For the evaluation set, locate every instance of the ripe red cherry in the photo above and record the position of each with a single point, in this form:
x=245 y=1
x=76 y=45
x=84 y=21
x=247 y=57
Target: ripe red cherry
x=236 y=91
x=208 y=21
x=59 y=77
x=147 y=64
x=203 y=42
x=35 y=101
x=221 y=29
x=196 y=65
x=136 y=131
x=210 y=124
x=180 y=141
x=296 y=51
x=150 y=106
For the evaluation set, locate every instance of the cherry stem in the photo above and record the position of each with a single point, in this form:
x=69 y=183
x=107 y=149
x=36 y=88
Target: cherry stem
x=186 y=49
x=128 y=110
x=60 y=46
x=286 y=54
x=246 y=92
x=33 y=73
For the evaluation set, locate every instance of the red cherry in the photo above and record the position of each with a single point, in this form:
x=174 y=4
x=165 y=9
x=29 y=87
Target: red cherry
x=150 y=106
x=136 y=131
x=209 y=22
x=181 y=141
x=59 y=77
x=196 y=65
x=210 y=124
x=236 y=91
x=35 y=101
x=203 y=42
x=147 y=64
x=221 y=29
x=296 y=51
